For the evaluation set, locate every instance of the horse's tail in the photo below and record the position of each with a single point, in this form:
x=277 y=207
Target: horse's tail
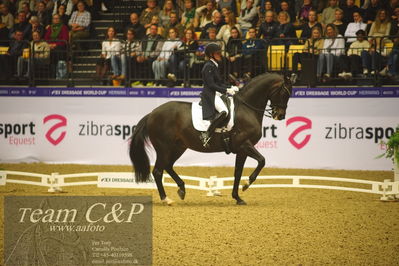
x=138 y=154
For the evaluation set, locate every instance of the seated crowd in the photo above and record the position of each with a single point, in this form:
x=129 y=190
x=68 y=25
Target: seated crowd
x=168 y=37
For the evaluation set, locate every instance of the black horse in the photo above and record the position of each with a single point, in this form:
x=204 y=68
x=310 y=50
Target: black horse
x=170 y=130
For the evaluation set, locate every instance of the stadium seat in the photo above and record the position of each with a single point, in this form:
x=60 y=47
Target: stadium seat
x=275 y=57
x=197 y=34
x=387 y=48
x=3 y=50
x=298 y=33
x=292 y=50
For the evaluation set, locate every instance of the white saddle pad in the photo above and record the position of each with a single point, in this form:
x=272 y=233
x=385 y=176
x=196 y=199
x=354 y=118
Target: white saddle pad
x=203 y=125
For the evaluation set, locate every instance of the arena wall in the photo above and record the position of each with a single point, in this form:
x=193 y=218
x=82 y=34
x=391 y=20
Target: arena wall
x=337 y=128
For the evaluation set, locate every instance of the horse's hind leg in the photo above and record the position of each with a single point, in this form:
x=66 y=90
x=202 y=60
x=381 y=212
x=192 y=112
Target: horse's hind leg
x=157 y=172
x=169 y=169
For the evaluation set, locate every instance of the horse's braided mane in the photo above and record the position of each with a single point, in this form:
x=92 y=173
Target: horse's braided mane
x=269 y=76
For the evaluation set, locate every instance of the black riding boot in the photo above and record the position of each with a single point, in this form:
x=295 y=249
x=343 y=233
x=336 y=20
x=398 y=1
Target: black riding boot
x=217 y=121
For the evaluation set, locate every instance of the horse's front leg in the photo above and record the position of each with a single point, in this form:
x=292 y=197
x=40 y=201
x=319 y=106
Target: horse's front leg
x=240 y=160
x=253 y=153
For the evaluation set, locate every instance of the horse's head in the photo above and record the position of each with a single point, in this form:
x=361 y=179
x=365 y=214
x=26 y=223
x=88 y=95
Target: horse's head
x=279 y=98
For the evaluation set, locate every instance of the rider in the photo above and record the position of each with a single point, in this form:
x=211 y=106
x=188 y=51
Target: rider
x=213 y=108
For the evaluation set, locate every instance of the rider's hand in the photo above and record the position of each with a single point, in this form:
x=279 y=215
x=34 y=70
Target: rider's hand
x=230 y=91
x=235 y=88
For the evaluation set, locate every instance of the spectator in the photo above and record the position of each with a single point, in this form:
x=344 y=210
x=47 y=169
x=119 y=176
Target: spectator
x=380 y=27
x=268 y=28
x=395 y=24
x=225 y=11
x=372 y=59
x=187 y=18
x=248 y=17
x=216 y=23
x=57 y=35
x=136 y=26
x=164 y=14
x=224 y=32
x=371 y=11
x=229 y=4
x=129 y=53
x=285 y=6
x=203 y=14
x=36 y=26
x=268 y=6
x=312 y=48
x=149 y=50
x=79 y=23
x=40 y=55
x=333 y=47
x=256 y=3
x=68 y=4
x=8 y=61
x=341 y=26
x=43 y=15
x=253 y=54
x=174 y=23
x=6 y=17
x=285 y=29
x=110 y=56
x=391 y=6
x=23 y=26
x=49 y=4
x=161 y=63
x=234 y=52
x=349 y=8
x=351 y=64
x=63 y=16
x=328 y=15
x=20 y=5
x=147 y=14
x=28 y=12
x=308 y=27
x=182 y=60
x=391 y=69
x=354 y=27
x=303 y=14
x=156 y=21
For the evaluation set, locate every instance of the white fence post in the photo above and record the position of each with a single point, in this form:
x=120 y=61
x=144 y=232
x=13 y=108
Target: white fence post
x=54 y=183
x=3 y=177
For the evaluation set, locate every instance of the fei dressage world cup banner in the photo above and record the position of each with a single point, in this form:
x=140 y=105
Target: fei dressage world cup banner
x=324 y=128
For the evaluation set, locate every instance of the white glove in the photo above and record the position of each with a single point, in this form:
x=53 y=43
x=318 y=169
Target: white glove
x=235 y=88
x=231 y=91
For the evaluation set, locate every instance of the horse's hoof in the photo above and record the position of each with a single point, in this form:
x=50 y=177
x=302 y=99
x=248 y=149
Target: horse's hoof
x=168 y=201
x=241 y=202
x=181 y=193
x=245 y=186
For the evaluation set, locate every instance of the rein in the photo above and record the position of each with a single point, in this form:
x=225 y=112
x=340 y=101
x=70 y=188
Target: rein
x=268 y=109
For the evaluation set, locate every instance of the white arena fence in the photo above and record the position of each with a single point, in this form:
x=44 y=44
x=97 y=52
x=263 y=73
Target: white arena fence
x=55 y=182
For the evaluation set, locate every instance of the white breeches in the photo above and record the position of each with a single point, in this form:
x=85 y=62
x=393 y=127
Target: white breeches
x=219 y=104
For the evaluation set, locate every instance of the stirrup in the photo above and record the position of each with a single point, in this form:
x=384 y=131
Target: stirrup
x=205 y=138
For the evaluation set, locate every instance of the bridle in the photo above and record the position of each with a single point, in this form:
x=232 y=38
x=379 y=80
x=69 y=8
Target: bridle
x=268 y=111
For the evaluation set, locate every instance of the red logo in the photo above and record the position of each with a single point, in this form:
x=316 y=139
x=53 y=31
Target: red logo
x=62 y=123
x=307 y=125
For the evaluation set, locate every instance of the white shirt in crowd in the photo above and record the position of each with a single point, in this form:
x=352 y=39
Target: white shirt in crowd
x=352 y=28
x=168 y=47
x=110 y=48
x=335 y=46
